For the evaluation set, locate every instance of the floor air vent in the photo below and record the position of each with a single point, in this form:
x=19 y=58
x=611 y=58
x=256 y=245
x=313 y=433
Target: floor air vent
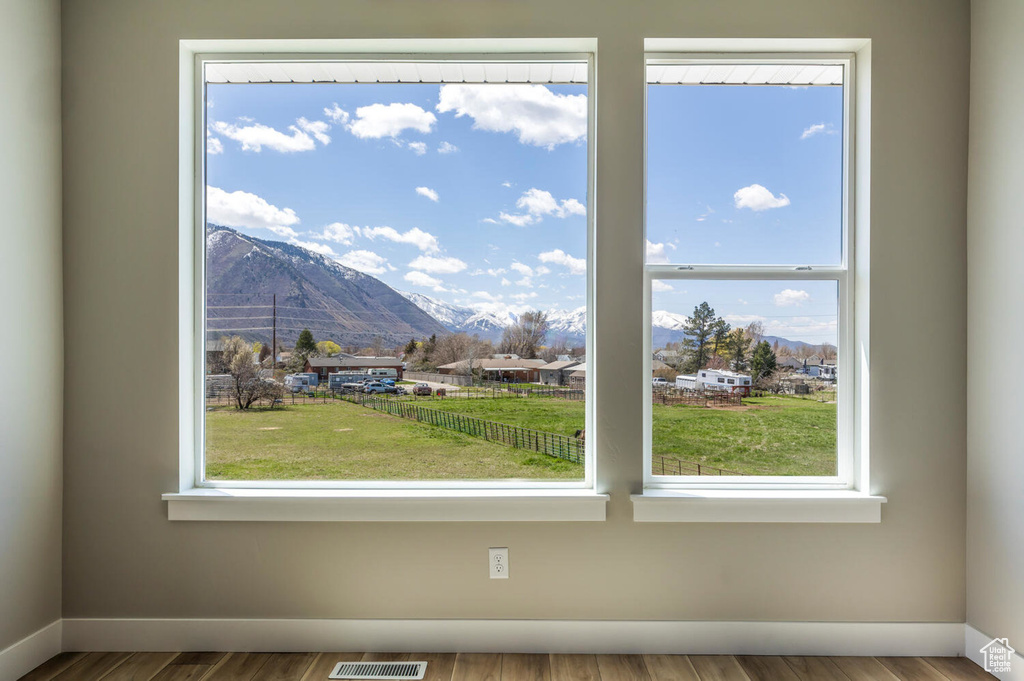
x=379 y=670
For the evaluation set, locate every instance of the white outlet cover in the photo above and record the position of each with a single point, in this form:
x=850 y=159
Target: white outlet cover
x=498 y=561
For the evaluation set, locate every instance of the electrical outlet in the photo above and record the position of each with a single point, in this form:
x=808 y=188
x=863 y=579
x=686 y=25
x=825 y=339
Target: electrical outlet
x=498 y=559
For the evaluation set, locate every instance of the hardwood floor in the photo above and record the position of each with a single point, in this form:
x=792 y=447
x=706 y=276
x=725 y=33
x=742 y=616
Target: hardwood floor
x=498 y=667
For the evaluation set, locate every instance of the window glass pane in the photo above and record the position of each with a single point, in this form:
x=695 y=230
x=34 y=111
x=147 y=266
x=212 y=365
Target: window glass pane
x=743 y=174
x=396 y=281
x=745 y=376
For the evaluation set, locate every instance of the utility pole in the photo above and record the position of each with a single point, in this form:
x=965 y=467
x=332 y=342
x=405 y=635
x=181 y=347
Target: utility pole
x=273 y=343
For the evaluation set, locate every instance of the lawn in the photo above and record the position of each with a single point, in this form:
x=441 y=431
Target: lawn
x=776 y=435
x=343 y=441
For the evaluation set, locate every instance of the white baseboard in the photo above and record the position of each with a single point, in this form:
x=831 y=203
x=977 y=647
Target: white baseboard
x=513 y=636
x=974 y=640
x=31 y=651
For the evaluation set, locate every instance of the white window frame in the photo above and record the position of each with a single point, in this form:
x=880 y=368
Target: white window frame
x=198 y=498
x=851 y=475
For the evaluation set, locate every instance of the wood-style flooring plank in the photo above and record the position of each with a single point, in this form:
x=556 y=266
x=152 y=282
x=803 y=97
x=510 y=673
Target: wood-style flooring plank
x=911 y=669
x=863 y=669
x=206 y=659
x=183 y=672
x=477 y=667
x=385 y=657
x=439 y=665
x=519 y=667
x=670 y=668
x=622 y=668
x=718 y=668
x=285 y=667
x=92 y=666
x=815 y=669
x=325 y=663
x=574 y=668
x=237 y=667
x=766 y=668
x=958 y=668
x=55 y=665
x=139 y=667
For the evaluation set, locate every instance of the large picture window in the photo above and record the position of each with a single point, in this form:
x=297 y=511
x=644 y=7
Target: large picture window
x=749 y=265
x=394 y=262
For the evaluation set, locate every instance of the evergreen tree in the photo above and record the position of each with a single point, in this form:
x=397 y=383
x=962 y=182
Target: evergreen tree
x=305 y=345
x=736 y=349
x=721 y=330
x=410 y=347
x=763 y=362
x=700 y=331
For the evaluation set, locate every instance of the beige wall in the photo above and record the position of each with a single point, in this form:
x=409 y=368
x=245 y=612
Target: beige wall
x=32 y=328
x=995 y=462
x=123 y=557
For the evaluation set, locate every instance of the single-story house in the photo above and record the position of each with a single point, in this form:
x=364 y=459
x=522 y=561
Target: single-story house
x=508 y=370
x=322 y=366
x=557 y=373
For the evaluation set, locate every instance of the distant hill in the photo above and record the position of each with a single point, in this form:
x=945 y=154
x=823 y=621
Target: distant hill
x=314 y=291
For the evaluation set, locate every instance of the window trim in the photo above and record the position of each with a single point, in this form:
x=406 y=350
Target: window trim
x=851 y=460
x=192 y=179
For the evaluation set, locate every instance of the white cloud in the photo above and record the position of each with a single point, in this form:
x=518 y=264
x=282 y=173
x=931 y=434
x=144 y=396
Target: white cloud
x=433 y=265
x=506 y=184
x=525 y=282
x=418 y=148
x=390 y=120
x=525 y=270
x=242 y=209
x=757 y=198
x=338 y=232
x=658 y=286
x=364 y=261
x=424 y=241
x=336 y=114
x=536 y=114
x=486 y=296
x=521 y=297
x=322 y=249
x=213 y=145
x=447 y=148
x=538 y=203
x=560 y=257
x=505 y=282
x=517 y=220
x=540 y=271
x=256 y=136
x=818 y=129
x=656 y=253
x=790 y=297
x=425 y=280
x=427 y=192
x=317 y=129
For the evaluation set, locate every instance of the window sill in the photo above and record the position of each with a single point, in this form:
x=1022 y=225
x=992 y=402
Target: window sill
x=756 y=506
x=274 y=505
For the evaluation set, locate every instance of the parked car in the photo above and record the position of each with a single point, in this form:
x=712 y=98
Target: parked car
x=387 y=381
x=374 y=388
x=659 y=382
x=421 y=389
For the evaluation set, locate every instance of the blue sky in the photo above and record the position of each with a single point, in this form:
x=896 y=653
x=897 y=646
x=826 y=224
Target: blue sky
x=485 y=209
x=476 y=194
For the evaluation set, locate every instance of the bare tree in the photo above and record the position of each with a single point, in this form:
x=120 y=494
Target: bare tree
x=755 y=332
x=526 y=336
x=249 y=385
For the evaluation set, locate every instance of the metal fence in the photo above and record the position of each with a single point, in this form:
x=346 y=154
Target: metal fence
x=668 y=465
x=552 y=444
x=709 y=398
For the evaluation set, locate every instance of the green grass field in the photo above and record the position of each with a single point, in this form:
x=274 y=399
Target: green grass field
x=343 y=441
x=776 y=435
